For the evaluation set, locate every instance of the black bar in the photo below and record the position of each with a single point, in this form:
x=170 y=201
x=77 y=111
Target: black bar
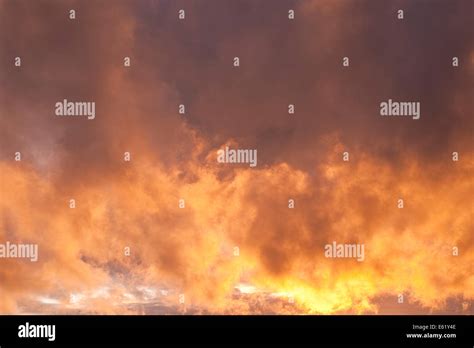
x=243 y=330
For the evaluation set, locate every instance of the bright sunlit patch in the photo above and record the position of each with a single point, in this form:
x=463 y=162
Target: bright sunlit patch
x=48 y=300
x=246 y=288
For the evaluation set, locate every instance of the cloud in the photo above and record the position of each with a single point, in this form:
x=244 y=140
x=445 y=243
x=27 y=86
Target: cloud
x=82 y=264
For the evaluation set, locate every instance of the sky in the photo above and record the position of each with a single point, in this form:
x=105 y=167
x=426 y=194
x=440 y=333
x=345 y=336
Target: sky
x=182 y=259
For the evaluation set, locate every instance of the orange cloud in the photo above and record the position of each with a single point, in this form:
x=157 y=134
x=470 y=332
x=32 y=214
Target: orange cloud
x=184 y=259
